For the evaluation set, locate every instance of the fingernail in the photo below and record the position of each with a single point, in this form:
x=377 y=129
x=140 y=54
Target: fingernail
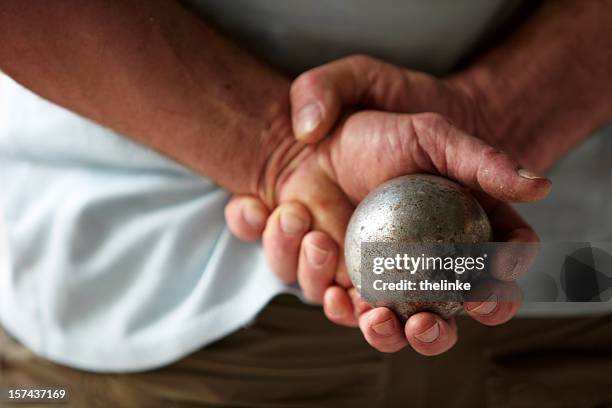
x=254 y=216
x=315 y=255
x=307 y=119
x=530 y=175
x=487 y=307
x=386 y=328
x=290 y=223
x=430 y=335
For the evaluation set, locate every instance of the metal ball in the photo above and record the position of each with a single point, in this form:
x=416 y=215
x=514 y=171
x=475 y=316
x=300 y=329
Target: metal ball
x=417 y=208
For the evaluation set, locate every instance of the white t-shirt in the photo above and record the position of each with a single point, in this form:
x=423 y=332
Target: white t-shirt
x=118 y=259
x=115 y=258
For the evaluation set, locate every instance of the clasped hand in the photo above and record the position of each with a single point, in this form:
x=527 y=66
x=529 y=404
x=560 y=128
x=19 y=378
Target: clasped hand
x=409 y=122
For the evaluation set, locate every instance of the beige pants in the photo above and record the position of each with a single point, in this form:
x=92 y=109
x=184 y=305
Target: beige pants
x=293 y=357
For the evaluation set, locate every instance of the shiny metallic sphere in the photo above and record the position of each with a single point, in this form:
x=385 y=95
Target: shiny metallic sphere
x=416 y=208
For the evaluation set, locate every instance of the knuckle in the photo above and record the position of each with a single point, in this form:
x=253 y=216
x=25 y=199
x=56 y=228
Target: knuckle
x=307 y=81
x=491 y=154
x=300 y=210
x=430 y=121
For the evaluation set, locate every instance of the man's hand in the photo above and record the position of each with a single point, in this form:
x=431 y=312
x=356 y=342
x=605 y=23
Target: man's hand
x=320 y=95
x=535 y=95
x=319 y=187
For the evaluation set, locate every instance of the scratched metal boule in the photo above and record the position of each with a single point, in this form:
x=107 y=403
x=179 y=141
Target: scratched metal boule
x=416 y=208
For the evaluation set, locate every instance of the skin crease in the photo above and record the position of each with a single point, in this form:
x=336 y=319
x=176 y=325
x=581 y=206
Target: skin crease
x=495 y=98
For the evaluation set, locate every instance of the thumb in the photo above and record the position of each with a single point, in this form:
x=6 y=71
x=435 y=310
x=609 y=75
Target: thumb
x=473 y=162
x=383 y=146
x=319 y=95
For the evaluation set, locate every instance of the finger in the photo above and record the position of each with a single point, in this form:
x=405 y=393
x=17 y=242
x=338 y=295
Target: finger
x=344 y=306
x=428 y=143
x=331 y=211
x=429 y=334
x=319 y=95
x=282 y=239
x=246 y=217
x=497 y=302
x=317 y=265
x=506 y=222
x=519 y=243
x=338 y=306
x=471 y=161
x=382 y=330
x=360 y=306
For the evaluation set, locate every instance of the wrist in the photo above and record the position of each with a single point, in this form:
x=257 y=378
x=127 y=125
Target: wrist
x=546 y=87
x=473 y=110
x=503 y=116
x=279 y=151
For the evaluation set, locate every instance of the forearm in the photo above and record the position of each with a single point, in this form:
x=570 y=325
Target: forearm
x=155 y=73
x=548 y=85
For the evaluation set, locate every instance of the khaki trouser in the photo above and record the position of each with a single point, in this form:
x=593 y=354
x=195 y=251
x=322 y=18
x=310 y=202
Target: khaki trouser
x=293 y=357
